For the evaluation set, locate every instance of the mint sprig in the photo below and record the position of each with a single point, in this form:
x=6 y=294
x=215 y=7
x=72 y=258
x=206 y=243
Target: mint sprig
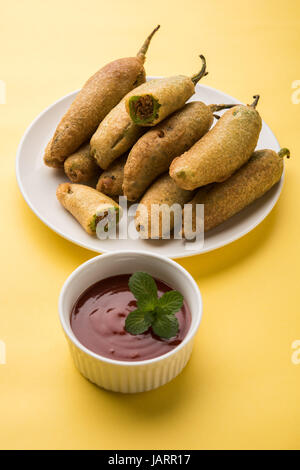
x=159 y=313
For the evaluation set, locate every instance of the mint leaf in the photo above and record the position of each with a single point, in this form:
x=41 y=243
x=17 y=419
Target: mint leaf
x=144 y=289
x=137 y=322
x=151 y=311
x=165 y=326
x=170 y=302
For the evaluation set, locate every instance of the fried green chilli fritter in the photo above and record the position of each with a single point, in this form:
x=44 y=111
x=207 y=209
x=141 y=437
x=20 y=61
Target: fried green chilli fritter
x=153 y=101
x=115 y=135
x=101 y=93
x=86 y=204
x=220 y=152
x=111 y=180
x=154 y=151
x=152 y=214
x=223 y=200
x=80 y=167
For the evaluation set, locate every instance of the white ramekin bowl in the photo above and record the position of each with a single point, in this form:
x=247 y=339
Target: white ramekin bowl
x=121 y=376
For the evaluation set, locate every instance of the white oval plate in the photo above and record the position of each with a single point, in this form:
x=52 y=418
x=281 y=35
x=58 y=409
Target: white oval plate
x=38 y=185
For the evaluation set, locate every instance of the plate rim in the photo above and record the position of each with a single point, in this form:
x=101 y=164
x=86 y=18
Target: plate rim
x=172 y=255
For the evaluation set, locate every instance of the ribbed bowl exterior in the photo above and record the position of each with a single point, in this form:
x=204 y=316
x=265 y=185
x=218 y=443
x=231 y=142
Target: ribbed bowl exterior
x=132 y=378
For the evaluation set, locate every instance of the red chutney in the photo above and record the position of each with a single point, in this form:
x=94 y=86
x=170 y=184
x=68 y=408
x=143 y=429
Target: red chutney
x=98 y=322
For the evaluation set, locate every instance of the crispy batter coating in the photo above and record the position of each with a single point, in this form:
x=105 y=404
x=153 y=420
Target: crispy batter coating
x=162 y=194
x=153 y=101
x=84 y=203
x=49 y=159
x=253 y=180
x=111 y=180
x=80 y=167
x=154 y=151
x=98 y=96
x=224 y=149
x=101 y=93
x=115 y=135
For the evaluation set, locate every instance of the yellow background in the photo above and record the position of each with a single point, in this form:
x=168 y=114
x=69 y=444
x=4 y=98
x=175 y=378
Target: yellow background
x=240 y=389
